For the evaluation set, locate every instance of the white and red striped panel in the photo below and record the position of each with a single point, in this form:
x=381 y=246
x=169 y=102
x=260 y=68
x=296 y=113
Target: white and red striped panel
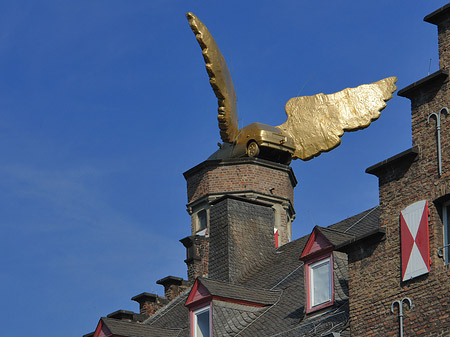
x=414 y=236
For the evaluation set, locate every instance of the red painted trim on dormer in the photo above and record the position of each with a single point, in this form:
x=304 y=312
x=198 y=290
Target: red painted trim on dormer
x=103 y=331
x=98 y=329
x=307 y=288
x=198 y=293
x=191 y=317
x=316 y=244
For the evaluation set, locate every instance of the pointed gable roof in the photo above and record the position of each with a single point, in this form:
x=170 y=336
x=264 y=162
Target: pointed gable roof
x=206 y=289
x=322 y=240
x=114 y=327
x=317 y=242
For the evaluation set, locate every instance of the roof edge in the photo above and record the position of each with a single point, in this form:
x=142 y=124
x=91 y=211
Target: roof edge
x=378 y=233
x=438 y=15
x=409 y=154
x=436 y=77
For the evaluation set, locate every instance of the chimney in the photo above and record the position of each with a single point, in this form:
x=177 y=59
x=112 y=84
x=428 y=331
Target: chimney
x=241 y=236
x=149 y=303
x=441 y=18
x=129 y=316
x=173 y=286
x=197 y=247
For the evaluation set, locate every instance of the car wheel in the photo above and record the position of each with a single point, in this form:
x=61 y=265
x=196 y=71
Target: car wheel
x=252 y=149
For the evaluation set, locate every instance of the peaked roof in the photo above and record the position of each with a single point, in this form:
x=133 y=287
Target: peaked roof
x=278 y=282
x=236 y=292
x=131 y=329
x=335 y=237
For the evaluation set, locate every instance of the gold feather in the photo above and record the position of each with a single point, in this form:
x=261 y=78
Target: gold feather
x=316 y=123
x=219 y=78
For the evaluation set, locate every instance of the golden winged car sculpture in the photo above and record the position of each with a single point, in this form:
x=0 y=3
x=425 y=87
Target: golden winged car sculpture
x=314 y=124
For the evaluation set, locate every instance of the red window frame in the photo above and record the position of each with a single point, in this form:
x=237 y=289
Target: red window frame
x=308 y=264
x=192 y=313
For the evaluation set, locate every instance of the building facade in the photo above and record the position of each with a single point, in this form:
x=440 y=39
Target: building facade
x=383 y=272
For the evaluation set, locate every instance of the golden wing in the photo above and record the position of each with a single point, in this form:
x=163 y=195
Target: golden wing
x=316 y=123
x=220 y=79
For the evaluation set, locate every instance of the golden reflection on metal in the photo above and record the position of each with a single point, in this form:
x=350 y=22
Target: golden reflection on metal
x=317 y=122
x=220 y=79
x=314 y=123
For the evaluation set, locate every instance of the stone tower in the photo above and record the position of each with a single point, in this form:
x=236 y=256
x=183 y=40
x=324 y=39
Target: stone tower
x=247 y=179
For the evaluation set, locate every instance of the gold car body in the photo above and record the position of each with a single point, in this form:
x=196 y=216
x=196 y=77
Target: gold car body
x=265 y=136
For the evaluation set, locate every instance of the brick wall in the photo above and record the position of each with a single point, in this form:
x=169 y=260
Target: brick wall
x=240 y=175
x=252 y=178
x=197 y=256
x=444 y=45
x=375 y=267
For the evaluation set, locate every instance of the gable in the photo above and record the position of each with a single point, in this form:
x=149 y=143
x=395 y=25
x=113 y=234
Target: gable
x=317 y=242
x=102 y=330
x=198 y=294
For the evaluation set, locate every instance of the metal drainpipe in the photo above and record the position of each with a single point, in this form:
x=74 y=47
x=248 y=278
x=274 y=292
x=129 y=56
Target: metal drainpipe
x=400 y=311
x=438 y=127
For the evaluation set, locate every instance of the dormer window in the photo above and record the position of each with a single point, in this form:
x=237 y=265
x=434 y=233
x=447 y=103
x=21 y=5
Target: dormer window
x=206 y=293
x=320 y=283
x=319 y=274
x=202 y=322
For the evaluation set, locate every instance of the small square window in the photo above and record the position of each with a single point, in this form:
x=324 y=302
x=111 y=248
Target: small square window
x=202 y=322
x=202 y=220
x=320 y=283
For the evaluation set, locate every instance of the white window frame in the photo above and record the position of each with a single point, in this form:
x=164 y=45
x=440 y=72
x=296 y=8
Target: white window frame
x=194 y=320
x=311 y=267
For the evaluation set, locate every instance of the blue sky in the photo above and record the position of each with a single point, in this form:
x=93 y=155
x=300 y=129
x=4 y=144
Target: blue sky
x=104 y=104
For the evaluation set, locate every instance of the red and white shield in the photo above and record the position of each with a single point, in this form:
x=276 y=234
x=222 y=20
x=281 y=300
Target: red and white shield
x=414 y=235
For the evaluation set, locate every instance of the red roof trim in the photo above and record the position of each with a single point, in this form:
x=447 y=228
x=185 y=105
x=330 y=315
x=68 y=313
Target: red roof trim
x=98 y=329
x=317 y=244
x=103 y=331
x=310 y=309
x=198 y=294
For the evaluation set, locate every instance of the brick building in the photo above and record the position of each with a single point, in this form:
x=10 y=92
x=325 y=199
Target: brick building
x=377 y=267
x=246 y=277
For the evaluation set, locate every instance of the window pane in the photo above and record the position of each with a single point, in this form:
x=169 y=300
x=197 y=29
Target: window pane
x=321 y=283
x=203 y=324
x=202 y=220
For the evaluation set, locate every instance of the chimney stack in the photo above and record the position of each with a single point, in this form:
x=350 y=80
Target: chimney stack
x=241 y=236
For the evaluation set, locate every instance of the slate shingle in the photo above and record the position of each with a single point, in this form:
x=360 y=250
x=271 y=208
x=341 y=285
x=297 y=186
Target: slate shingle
x=280 y=273
x=131 y=329
x=232 y=291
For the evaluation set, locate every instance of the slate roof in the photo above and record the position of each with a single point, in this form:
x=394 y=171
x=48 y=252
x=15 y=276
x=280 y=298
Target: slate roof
x=130 y=329
x=249 y=294
x=336 y=238
x=277 y=281
x=360 y=224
